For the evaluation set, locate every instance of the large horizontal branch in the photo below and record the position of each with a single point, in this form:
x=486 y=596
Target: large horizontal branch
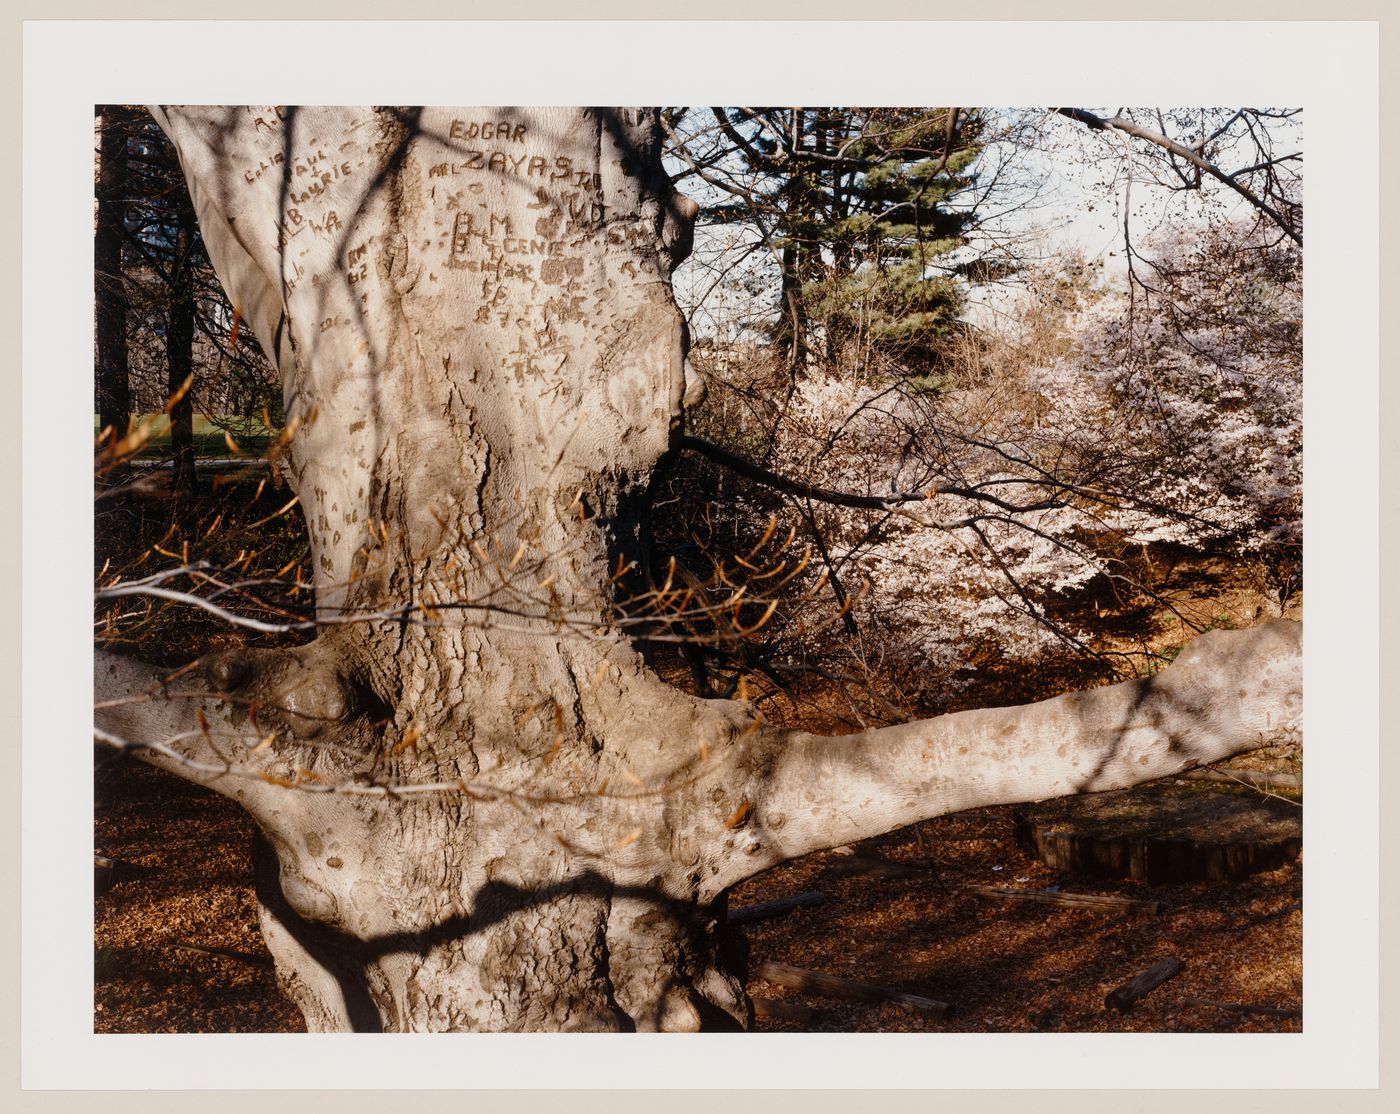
x=139 y=711
x=136 y=711
x=1227 y=692
x=1137 y=131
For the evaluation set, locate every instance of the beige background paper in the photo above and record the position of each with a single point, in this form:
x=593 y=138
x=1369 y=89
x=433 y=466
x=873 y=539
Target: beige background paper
x=1092 y=65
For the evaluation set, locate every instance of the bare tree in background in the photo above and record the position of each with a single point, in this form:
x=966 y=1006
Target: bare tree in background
x=113 y=369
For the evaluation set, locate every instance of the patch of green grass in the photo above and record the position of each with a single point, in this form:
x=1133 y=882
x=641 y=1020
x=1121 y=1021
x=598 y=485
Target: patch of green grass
x=249 y=434
x=929 y=384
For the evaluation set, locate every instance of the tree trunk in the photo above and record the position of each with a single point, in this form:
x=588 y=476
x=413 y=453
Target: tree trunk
x=179 y=352
x=793 y=332
x=481 y=811
x=113 y=376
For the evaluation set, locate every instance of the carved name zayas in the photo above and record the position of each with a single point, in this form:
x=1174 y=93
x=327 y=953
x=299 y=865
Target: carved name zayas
x=523 y=166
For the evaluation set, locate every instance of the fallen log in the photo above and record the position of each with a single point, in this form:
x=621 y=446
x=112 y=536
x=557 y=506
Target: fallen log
x=1108 y=904
x=1255 y=779
x=1123 y=998
x=1241 y=1007
x=764 y=910
x=263 y=961
x=851 y=863
x=109 y=872
x=834 y=986
x=783 y=1010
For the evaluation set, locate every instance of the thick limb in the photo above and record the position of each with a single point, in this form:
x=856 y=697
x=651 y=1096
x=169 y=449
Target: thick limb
x=1227 y=692
x=170 y=724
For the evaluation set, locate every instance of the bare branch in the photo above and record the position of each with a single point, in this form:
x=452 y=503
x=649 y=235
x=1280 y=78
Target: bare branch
x=1128 y=127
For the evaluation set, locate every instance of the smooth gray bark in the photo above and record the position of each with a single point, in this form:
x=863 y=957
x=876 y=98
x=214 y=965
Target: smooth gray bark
x=481 y=810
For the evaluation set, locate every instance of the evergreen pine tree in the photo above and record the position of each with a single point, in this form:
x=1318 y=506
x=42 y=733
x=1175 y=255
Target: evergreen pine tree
x=856 y=203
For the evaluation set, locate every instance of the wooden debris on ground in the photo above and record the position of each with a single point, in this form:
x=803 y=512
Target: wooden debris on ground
x=1164 y=832
x=1255 y=779
x=1124 y=997
x=1242 y=1007
x=784 y=1010
x=835 y=986
x=109 y=871
x=262 y=961
x=1078 y=901
x=766 y=910
x=875 y=866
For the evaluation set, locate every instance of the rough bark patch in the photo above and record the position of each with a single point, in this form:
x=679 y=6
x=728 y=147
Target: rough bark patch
x=1165 y=833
